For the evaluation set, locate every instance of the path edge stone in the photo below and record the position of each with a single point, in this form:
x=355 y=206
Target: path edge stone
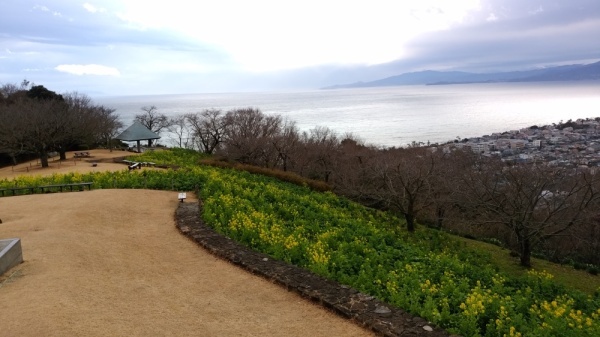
x=367 y=311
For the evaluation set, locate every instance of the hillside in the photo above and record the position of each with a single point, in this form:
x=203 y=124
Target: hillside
x=577 y=72
x=427 y=273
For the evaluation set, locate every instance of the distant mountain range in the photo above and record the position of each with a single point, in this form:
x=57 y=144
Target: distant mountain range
x=575 y=72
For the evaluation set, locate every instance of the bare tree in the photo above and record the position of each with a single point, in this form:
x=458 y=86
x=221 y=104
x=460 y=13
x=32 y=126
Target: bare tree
x=586 y=241
x=37 y=117
x=444 y=183
x=108 y=125
x=248 y=134
x=286 y=144
x=77 y=125
x=208 y=128
x=43 y=124
x=354 y=178
x=9 y=91
x=38 y=121
x=398 y=180
x=179 y=127
x=320 y=153
x=12 y=129
x=403 y=181
x=153 y=120
x=535 y=202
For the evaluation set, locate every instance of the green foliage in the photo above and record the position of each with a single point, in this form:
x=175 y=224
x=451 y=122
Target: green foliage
x=40 y=92
x=287 y=176
x=173 y=157
x=427 y=273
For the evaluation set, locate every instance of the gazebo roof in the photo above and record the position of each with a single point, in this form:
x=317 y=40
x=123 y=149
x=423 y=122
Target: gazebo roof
x=137 y=131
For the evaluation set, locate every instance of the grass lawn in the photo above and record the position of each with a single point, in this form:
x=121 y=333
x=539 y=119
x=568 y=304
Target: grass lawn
x=563 y=274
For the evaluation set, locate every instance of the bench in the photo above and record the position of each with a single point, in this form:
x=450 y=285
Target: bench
x=135 y=166
x=81 y=154
x=182 y=196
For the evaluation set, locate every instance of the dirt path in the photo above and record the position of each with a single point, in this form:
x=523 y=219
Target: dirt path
x=102 y=158
x=111 y=263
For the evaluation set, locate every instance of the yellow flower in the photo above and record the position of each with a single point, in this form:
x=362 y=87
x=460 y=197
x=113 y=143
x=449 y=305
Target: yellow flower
x=513 y=332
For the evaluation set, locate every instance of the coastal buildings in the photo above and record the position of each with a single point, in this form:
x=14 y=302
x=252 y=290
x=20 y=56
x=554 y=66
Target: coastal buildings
x=574 y=144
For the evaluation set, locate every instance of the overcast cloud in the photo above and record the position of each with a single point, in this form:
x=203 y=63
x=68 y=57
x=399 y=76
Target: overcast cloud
x=111 y=47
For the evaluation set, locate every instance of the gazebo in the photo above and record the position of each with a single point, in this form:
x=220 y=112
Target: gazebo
x=137 y=132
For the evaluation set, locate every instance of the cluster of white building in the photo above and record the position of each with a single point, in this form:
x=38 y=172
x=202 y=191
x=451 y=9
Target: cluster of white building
x=575 y=143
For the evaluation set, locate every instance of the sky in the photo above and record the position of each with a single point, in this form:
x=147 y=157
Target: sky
x=142 y=47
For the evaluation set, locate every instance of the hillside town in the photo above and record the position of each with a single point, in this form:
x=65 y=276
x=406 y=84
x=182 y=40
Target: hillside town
x=571 y=144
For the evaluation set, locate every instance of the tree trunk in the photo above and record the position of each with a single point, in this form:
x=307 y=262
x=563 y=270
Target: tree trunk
x=44 y=158
x=440 y=217
x=63 y=154
x=410 y=222
x=284 y=159
x=525 y=253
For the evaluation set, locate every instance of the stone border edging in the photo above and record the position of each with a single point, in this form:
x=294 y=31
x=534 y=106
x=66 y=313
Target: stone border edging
x=365 y=310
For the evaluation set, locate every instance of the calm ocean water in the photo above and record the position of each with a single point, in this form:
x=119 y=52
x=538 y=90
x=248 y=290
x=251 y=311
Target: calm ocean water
x=396 y=116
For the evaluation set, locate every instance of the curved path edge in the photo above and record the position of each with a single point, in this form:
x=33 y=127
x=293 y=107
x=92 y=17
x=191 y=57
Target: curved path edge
x=365 y=310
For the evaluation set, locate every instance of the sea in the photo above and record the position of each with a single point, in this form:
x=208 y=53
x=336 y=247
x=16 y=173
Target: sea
x=394 y=116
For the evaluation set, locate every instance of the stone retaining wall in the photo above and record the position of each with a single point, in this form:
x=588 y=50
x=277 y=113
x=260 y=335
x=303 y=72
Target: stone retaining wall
x=365 y=310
